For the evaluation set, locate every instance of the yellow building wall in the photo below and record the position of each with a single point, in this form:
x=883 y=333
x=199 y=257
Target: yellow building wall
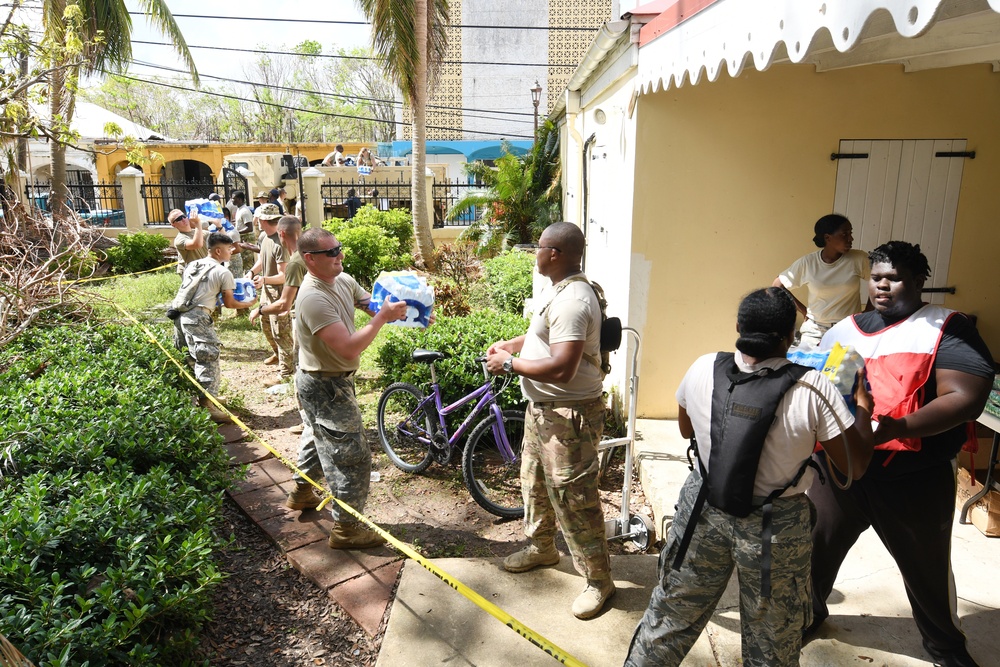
x=731 y=176
x=211 y=154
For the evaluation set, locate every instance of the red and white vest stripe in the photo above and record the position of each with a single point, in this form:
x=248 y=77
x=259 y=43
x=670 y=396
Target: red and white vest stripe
x=899 y=360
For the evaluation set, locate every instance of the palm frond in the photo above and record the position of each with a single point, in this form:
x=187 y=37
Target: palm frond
x=394 y=40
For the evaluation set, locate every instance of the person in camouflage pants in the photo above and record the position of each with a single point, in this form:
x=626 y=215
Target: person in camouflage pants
x=766 y=430
x=562 y=379
x=333 y=445
x=683 y=601
x=561 y=442
x=329 y=347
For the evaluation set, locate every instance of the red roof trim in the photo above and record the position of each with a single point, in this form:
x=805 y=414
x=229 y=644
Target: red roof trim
x=678 y=12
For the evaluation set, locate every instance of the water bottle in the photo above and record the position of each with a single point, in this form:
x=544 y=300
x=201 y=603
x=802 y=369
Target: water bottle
x=842 y=366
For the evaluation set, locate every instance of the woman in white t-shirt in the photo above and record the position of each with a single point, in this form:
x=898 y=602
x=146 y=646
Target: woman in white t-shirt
x=834 y=277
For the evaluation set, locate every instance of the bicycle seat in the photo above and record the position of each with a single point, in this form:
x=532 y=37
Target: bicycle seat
x=428 y=356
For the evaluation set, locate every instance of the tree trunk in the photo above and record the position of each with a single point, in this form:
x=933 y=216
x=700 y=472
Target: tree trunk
x=58 y=193
x=421 y=224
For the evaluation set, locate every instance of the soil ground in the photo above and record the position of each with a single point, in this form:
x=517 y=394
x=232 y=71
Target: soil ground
x=268 y=614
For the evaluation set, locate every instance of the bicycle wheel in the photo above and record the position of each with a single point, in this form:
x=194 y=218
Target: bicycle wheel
x=493 y=482
x=402 y=424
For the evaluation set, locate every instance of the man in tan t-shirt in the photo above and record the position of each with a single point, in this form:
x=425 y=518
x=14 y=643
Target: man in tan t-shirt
x=289 y=228
x=559 y=365
x=268 y=276
x=208 y=279
x=329 y=351
x=190 y=239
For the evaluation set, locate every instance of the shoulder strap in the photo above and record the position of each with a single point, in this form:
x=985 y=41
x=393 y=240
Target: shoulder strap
x=563 y=284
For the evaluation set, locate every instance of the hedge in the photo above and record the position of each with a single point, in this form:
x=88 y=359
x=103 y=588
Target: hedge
x=112 y=487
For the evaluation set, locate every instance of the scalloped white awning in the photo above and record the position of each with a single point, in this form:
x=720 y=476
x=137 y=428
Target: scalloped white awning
x=730 y=34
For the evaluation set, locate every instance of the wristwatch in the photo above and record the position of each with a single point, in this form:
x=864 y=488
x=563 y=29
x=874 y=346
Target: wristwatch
x=508 y=365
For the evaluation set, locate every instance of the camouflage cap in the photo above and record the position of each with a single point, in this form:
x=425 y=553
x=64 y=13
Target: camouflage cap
x=268 y=212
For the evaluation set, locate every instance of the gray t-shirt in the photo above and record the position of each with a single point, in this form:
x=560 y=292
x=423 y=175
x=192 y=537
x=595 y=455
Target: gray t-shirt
x=272 y=253
x=571 y=315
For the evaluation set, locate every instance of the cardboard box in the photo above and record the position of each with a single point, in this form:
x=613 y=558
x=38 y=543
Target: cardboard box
x=985 y=514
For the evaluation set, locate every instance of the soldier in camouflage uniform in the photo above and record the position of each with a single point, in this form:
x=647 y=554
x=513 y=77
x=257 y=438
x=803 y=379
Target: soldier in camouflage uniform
x=686 y=596
x=268 y=276
x=196 y=325
x=559 y=365
x=329 y=348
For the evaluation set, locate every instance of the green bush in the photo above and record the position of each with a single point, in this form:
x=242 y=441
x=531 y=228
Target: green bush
x=81 y=264
x=137 y=252
x=464 y=339
x=506 y=281
x=369 y=250
x=397 y=223
x=111 y=487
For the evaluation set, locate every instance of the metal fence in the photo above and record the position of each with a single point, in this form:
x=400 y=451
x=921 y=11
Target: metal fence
x=99 y=204
x=386 y=195
x=162 y=197
x=451 y=192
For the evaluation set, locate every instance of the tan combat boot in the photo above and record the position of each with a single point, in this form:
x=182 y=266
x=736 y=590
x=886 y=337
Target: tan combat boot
x=531 y=557
x=353 y=535
x=590 y=602
x=304 y=497
x=217 y=415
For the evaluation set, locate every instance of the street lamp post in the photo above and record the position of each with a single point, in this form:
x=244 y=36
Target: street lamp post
x=536 y=97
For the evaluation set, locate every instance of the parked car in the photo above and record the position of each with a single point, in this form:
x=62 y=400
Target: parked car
x=103 y=217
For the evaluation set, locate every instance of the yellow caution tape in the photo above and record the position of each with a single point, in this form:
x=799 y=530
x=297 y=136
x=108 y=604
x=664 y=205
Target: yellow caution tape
x=496 y=612
x=121 y=275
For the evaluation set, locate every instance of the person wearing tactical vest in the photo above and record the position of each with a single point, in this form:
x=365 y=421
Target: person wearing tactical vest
x=755 y=418
x=930 y=374
x=204 y=279
x=564 y=420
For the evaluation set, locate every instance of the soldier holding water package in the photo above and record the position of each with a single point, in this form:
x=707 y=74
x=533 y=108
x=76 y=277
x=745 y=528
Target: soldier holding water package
x=204 y=280
x=333 y=441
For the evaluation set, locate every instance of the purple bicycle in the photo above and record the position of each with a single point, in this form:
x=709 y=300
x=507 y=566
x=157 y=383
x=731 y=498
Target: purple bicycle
x=414 y=432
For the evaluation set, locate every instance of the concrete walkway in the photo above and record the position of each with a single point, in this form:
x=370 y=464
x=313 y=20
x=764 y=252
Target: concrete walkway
x=432 y=624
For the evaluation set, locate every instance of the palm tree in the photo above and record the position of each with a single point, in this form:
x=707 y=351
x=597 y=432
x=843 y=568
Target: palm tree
x=103 y=28
x=521 y=196
x=410 y=37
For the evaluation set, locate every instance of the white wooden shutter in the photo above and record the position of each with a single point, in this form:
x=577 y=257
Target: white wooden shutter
x=902 y=192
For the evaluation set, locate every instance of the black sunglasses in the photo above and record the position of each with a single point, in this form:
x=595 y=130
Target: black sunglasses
x=332 y=252
x=549 y=247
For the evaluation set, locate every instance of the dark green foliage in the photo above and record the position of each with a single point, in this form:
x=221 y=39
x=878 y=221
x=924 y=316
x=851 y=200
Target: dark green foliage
x=464 y=338
x=522 y=195
x=374 y=241
x=137 y=252
x=397 y=222
x=111 y=487
x=506 y=281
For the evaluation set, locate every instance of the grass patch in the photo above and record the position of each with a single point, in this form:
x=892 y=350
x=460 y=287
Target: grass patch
x=139 y=295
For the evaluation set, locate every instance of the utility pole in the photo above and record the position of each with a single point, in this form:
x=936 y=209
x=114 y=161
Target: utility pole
x=536 y=98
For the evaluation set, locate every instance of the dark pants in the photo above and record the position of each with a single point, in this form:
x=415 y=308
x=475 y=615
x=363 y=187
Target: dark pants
x=912 y=515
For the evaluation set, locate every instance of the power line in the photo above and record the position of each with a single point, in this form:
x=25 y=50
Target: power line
x=310 y=111
x=343 y=97
x=342 y=57
x=335 y=22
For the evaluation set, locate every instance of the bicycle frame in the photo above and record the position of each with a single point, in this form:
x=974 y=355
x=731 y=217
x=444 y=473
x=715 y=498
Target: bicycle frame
x=485 y=397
